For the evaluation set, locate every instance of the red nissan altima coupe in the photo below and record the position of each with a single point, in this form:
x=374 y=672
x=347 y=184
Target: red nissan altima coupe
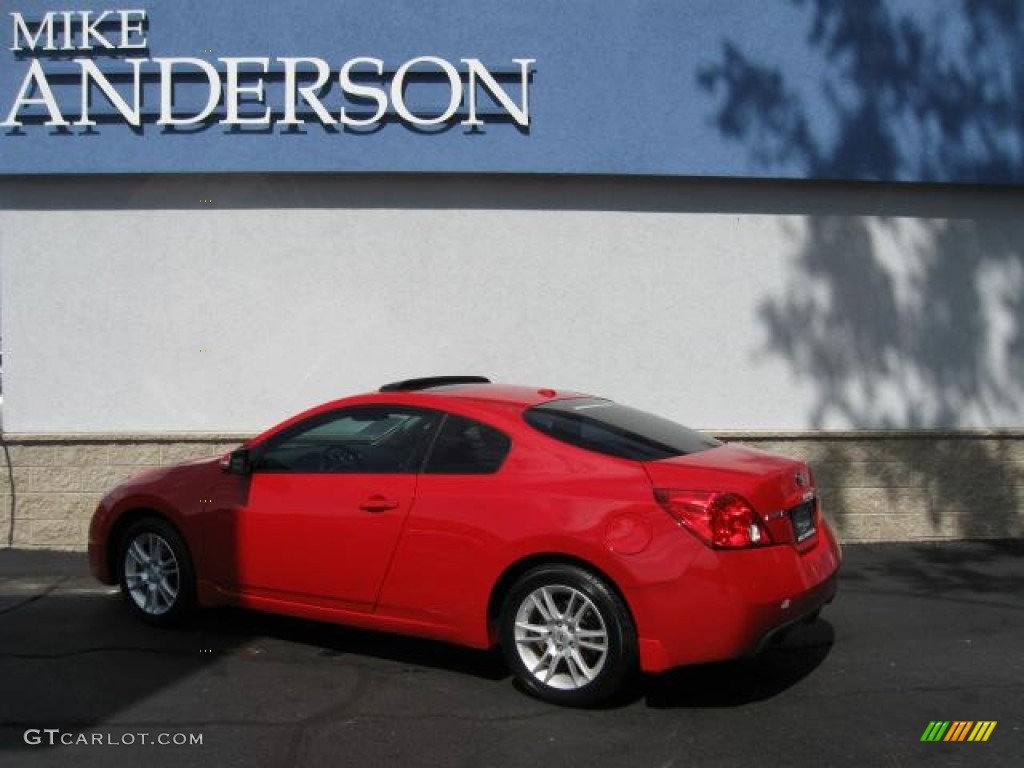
x=591 y=540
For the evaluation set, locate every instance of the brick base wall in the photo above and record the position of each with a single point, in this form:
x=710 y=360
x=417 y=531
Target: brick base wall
x=53 y=484
x=905 y=486
x=874 y=486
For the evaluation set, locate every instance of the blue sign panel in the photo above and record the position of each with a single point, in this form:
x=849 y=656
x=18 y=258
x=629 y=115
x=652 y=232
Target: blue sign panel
x=901 y=90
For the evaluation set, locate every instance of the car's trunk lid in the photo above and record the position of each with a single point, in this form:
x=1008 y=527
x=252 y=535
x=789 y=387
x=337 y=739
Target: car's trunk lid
x=779 y=488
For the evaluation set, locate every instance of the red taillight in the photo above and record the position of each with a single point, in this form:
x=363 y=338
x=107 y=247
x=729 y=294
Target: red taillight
x=719 y=519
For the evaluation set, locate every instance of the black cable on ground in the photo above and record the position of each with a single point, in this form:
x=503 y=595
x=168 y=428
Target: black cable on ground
x=10 y=478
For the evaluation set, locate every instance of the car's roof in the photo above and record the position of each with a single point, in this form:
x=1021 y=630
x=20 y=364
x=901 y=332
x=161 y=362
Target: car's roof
x=485 y=396
x=509 y=394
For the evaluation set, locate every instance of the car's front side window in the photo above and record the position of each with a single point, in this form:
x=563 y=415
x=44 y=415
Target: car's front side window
x=367 y=439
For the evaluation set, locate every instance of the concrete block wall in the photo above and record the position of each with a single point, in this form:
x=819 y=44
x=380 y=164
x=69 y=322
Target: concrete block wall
x=898 y=486
x=904 y=486
x=53 y=484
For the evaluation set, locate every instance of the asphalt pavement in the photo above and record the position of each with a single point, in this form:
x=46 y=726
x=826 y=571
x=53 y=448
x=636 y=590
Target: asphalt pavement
x=918 y=633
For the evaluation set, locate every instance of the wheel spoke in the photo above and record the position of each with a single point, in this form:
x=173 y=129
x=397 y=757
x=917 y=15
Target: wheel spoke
x=540 y=607
x=592 y=646
x=555 y=658
x=572 y=665
x=136 y=553
x=549 y=601
x=567 y=613
x=166 y=592
x=542 y=661
x=540 y=630
x=577 y=657
x=578 y=617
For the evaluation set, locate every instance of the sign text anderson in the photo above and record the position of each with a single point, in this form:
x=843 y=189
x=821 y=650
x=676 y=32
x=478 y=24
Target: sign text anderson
x=235 y=91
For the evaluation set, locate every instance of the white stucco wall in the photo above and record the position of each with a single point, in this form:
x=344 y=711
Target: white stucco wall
x=130 y=305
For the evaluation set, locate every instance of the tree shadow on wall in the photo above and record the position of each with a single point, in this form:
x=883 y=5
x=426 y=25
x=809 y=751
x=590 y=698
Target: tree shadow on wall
x=901 y=322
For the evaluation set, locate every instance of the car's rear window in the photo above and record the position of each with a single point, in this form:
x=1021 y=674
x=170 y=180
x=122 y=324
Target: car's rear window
x=616 y=430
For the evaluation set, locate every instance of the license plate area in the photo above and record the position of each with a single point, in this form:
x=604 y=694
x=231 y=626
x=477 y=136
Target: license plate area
x=802 y=518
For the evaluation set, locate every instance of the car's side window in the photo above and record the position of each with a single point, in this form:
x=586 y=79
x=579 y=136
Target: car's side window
x=467 y=447
x=368 y=439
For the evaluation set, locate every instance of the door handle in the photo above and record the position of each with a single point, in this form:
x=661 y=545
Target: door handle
x=378 y=504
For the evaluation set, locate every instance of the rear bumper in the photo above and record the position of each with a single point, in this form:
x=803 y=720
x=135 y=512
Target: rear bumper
x=814 y=603
x=730 y=604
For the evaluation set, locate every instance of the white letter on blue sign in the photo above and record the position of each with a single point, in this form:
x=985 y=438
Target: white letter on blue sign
x=233 y=89
x=521 y=112
x=35 y=77
x=307 y=92
x=362 y=91
x=21 y=30
x=167 y=91
x=454 y=91
x=90 y=72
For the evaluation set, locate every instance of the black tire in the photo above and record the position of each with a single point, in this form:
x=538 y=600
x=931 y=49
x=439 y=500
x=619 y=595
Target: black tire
x=155 y=572
x=568 y=637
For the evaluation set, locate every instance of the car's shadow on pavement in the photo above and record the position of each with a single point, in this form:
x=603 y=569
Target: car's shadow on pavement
x=331 y=640
x=727 y=684
x=80 y=660
x=734 y=683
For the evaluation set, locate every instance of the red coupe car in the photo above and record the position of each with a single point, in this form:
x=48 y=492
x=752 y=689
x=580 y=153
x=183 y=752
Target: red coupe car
x=591 y=540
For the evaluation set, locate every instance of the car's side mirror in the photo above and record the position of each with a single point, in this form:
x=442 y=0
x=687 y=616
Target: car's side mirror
x=237 y=462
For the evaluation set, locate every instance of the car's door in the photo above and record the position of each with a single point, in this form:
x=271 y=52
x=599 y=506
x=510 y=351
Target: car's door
x=326 y=503
x=466 y=509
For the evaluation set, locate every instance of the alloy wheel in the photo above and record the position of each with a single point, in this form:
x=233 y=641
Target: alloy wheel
x=561 y=637
x=152 y=574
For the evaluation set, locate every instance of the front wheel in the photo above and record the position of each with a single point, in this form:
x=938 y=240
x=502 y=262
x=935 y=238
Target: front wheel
x=155 y=572
x=568 y=637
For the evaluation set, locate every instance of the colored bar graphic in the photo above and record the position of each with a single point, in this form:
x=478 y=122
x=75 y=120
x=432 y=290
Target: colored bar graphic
x=982 y=730
x=935 y=730
x=958 y=730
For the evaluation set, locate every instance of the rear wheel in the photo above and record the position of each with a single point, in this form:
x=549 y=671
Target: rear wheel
x=568 y=637
x=155 y=572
